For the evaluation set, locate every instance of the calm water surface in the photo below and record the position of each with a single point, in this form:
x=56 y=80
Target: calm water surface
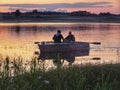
x=17 y=39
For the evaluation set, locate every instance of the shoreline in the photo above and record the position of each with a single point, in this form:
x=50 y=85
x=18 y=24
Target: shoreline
x=51 y=22
x=60 y=19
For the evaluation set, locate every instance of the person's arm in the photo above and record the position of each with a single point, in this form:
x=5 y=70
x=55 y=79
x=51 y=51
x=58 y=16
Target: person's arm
x=62 y=37
x=54 y=37
x=73 y=38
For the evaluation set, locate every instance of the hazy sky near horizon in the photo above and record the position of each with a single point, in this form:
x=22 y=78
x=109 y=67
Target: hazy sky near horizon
x=94 y=6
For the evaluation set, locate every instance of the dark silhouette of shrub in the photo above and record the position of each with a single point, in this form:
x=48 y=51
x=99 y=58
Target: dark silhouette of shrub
x=17 y=13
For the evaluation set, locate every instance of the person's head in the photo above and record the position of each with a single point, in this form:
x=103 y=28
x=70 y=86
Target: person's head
x=58 y=31
x=70 y=32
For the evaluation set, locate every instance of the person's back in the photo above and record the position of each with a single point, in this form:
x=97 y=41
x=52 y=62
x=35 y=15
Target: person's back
x=70 y=37
x=57 y=37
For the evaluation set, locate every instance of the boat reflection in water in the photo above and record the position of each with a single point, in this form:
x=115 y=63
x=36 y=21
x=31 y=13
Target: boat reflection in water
x=58 y=58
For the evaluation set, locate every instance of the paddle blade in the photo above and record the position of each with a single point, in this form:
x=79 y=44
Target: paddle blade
x=96 y=58
x=36 y=42
x=97 y=43
x=36 y=53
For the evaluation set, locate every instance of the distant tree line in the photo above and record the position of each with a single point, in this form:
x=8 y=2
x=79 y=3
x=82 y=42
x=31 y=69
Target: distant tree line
x=75 y=13
x=36 y=13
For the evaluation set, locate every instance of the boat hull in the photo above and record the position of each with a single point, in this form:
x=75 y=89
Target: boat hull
x=63 y=47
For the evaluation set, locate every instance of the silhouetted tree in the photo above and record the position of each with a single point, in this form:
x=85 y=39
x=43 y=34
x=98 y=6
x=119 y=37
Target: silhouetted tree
x=80 y=13
x=35 y=11
x=105 y=14
x=17 y=13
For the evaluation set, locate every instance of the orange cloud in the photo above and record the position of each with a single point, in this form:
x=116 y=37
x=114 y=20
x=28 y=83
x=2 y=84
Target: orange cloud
x=94 y=7
x=4 y=9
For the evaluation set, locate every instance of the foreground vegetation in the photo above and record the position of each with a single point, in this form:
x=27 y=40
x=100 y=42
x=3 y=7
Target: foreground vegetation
x=14 y=75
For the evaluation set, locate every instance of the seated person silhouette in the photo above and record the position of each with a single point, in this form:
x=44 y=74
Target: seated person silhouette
x=70 y=37
x=58 y=37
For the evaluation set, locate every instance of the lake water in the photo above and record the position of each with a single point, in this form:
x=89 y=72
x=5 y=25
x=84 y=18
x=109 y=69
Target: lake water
x=17 y=39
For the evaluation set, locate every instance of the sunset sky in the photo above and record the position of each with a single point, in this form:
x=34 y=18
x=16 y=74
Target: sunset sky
x=94 y=6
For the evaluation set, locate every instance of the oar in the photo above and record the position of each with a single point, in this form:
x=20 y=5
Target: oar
x=96 y=58
x=43 y=42
x=36 y=42
x=97 y=43
x=36 y=53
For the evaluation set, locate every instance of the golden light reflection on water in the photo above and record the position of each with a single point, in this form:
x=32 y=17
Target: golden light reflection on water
x=17 y=39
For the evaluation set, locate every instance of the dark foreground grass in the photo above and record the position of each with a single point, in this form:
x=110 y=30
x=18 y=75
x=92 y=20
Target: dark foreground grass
x=87 y=77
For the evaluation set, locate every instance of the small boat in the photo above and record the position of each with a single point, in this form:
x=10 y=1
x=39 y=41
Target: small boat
x=63 y=46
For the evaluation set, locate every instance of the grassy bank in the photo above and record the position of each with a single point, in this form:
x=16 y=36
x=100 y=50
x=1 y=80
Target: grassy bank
x=16 y=76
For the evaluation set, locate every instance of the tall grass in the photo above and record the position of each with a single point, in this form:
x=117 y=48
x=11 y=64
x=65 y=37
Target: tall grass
x=15 y=75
